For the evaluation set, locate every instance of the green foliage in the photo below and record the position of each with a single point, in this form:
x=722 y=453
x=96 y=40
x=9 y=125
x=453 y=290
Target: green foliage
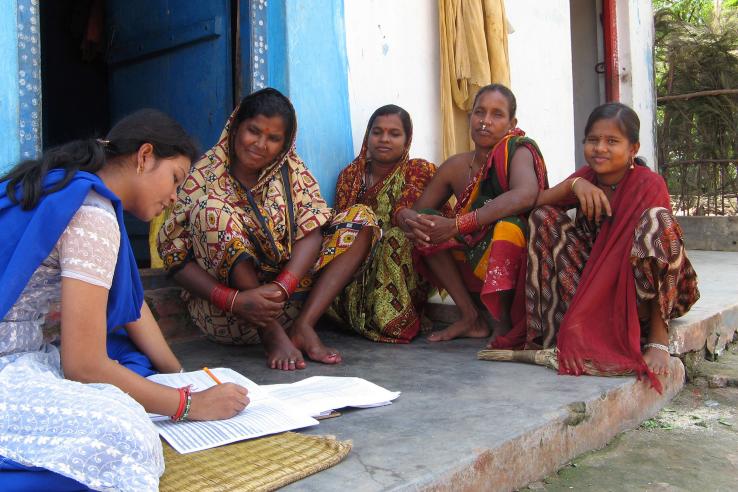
x=697 y=50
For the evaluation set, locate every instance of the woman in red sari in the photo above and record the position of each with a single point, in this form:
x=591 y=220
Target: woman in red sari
x=617 y=272
x=479 y=250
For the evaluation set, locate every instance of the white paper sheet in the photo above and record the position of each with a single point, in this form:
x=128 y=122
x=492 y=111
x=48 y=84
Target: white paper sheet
x=264 y=415
x=319 y=394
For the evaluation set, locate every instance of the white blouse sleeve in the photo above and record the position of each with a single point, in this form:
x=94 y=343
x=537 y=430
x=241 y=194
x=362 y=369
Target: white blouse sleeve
x=88 y=247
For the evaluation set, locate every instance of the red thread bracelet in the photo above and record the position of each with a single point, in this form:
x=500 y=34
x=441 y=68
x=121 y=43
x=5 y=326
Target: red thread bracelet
x=181 y=407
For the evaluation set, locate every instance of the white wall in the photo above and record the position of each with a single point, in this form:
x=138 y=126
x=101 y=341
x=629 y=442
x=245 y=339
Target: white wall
x=393 y=58
x=637 y=89
x=392 y=49
x=541 y=78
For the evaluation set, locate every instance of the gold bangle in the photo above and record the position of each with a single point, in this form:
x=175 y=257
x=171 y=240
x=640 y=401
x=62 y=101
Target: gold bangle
x=575 y=182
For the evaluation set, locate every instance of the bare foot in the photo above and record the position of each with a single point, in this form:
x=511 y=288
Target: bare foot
x=281 y=353
x=657 y=360
x=499 y=328
x=305 y=339
x=464 y=328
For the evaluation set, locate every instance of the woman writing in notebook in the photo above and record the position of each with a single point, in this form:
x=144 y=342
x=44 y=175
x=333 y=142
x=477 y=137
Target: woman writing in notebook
x=71 y=416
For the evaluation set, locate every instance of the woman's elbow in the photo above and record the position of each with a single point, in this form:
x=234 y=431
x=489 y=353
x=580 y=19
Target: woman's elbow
x=528 y=199
x=82 y=369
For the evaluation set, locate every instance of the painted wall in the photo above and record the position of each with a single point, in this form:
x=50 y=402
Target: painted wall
x=637 y=87
x=9 y=100
x=393 y=58
x=317 y=85
x=541 y=77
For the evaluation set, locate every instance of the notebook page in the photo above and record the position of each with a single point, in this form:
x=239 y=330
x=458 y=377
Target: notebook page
x=263 y=416
x=318 y=394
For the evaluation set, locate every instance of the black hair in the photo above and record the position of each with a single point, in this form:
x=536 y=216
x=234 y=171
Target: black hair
x=166 y=136
x=407 y=123
x=268 y=102
x=626 y=118
x=512 y=104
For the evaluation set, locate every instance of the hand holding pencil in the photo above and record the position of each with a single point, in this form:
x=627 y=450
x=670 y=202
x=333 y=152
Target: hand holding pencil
x=222 y=401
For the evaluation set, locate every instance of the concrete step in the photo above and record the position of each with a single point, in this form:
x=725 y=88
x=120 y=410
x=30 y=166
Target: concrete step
x=460 y=423
x=712 y=322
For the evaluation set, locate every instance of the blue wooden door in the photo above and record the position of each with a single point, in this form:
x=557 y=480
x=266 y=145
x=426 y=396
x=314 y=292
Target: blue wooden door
x=173 y=55
x=176 y=56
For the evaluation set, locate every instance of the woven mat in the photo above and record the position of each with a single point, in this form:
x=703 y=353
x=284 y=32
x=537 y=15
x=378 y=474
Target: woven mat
x=260 y=464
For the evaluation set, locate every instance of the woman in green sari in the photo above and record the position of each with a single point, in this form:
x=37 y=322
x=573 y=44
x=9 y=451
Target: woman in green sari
x=386 y=301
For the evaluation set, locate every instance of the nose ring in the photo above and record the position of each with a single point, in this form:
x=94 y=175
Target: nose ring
x=484 y=127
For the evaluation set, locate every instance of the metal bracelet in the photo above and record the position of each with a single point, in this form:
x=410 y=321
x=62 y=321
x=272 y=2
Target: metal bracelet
x=658 y=346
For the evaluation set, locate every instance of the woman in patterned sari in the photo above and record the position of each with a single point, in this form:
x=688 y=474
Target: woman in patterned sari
x=255 y=244
x=386 y=302
x=617 y=272
x=481 y=248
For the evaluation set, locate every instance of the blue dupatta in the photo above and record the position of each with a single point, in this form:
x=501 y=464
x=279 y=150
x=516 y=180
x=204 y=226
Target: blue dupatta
x=28 y=236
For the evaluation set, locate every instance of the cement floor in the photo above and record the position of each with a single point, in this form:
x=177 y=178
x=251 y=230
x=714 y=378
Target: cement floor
x=454 y=410
x=451 y=407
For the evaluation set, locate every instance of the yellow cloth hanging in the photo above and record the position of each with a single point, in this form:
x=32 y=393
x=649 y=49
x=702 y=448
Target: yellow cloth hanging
x=473 y=36
x=154 y=226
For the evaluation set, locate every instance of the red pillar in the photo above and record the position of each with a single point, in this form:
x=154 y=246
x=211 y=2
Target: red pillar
x=610 y=34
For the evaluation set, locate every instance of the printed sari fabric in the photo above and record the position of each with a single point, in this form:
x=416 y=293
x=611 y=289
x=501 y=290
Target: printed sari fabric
x=585 y=283
x=385 y=303
x=218 y=222
x=490 y=259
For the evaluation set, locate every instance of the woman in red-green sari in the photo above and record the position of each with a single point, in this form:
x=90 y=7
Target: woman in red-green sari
x=476 y=254
x=385 y=303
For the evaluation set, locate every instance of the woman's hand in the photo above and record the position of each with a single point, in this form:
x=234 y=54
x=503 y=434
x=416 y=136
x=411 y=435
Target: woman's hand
x=443 y=228
x=418 y=229
x=592 y=200
x=260 y=305
x=222 y=401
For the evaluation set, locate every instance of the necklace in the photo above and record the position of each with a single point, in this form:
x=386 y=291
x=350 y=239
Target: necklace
x=471 y=165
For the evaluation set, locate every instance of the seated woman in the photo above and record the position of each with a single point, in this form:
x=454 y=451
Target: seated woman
x=386 y=302
x=65 y=256
x=481 y=249
x=618 y=271
x=250 y=233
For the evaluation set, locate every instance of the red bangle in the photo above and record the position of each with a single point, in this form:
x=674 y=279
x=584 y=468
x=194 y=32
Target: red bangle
x=220 y=296
x=182 y=401
x=287 y=281
x=467 y=223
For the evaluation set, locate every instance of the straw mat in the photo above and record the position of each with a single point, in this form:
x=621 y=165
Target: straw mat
x=258 y=464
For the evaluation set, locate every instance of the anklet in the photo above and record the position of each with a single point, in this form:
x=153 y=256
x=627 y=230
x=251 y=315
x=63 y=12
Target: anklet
x=658 y=346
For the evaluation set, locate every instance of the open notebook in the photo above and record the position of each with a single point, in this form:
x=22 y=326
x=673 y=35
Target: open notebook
x=273 y=408
x=264 y=415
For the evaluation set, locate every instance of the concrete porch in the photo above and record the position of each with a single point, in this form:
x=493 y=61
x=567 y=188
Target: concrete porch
x=463 y=424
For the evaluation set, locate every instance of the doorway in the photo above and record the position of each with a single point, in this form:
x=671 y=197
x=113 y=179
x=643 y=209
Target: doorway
x=101 y=60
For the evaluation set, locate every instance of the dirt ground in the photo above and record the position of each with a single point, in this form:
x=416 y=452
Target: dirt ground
x=691 y=445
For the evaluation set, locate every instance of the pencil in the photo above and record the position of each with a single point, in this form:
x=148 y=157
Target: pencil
x=209 y=373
